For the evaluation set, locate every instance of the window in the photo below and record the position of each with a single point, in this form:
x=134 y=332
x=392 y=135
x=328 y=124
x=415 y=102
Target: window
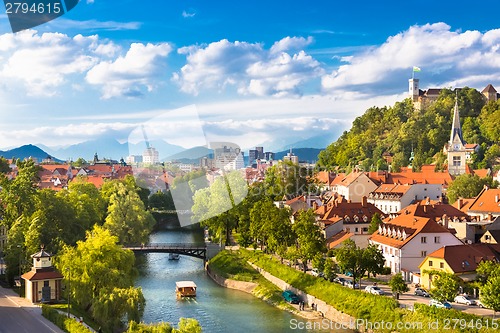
x=436 y=239
x=487 y=237
x=423 y=240
x=430 y=263
x=441 y=265
x=457 y=161
x=356 y=230
x=423 y=254
x=45 y=283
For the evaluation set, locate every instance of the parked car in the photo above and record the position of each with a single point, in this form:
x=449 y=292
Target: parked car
x=481 y=305
x=421 y=292
x=438 y=304
x=351 y=284
x=339 y=280
x=315 y=272
x=290 y=297
x=348 y=273
x=464 y=300
x=374 y=290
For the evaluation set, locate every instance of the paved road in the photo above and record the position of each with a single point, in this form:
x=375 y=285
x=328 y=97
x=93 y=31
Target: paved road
x=18 y=315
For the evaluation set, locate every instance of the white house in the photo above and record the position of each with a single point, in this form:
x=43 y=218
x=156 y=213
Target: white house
x=406 y=240
x=391 y=198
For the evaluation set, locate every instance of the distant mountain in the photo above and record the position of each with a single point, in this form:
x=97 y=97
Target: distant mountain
x=304 y=154
x=112 y=149
x=194 y=153
x=27 y=151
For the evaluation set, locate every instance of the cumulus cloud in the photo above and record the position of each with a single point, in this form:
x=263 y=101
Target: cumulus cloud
x=249 y=67
x=42 y=62
x=129 y=75
x=445 y=56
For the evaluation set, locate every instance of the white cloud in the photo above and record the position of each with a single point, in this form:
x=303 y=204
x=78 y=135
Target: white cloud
x=42 y=62
x=128 y=75
x=188 y=14
x=444 y=55
x=248 y=67
x=93 y=25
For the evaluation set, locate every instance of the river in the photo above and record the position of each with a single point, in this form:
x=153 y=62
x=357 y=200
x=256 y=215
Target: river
x=219 y=310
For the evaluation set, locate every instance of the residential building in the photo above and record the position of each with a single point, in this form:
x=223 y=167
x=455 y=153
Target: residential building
x=339 y=214
x=461 y=260
x=485 y=206
x=325 y=179
x=391 y=198
x=354 y=186
x=43 y=281
x=291 y=157
x=228 y=158
x=134 y=159
x=3 y=237
x=150 y=156
x=491 y=237
x=490 y=93
x=407 y=239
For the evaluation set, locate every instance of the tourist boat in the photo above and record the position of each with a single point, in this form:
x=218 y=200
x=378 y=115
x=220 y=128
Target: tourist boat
x=173 y=256
x=185 y=289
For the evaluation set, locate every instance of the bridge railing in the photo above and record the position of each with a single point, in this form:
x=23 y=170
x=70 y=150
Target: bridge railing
x=167 y=246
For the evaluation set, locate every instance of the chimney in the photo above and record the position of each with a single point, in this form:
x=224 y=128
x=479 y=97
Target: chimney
x=460 y=203
x=496 y=198
x=364 y=201
x=425 y=208
x=315 y=205
x=490 y=217
x=445 y=221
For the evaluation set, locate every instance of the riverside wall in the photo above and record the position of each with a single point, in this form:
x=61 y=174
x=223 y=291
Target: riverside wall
x=326 y=310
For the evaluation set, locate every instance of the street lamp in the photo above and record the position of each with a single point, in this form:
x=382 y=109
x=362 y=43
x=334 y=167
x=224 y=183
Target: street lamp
x=69 y=290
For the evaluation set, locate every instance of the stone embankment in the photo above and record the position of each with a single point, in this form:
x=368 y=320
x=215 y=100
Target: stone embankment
x=324 y=309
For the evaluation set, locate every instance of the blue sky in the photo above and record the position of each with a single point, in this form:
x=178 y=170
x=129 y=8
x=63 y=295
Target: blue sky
x=257 y=73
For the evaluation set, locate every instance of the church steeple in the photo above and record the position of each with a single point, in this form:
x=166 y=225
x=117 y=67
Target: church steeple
x=456 y=136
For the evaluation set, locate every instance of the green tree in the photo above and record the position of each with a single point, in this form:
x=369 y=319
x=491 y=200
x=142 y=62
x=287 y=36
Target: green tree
x=4 y=165
x=215 y=206
x=358 y=261
x=330 y=269
x=100 y=274
x=373 y=260
x=127 y=218
x=490 y=293
x=445 y=285
x=374 y=224
x=161 y=201
x=188 y=325
x=310 y=240
x=467 y=186
x=18 y=195
x=487 y=269
x=398 y=285
x=80 y=162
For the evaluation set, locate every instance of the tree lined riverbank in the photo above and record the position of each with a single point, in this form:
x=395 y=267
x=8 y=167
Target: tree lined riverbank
x=372 y=310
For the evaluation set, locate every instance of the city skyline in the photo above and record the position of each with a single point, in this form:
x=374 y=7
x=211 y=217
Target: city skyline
x=258 y=74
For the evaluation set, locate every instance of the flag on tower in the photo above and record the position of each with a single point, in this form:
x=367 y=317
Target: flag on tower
x=416 y=69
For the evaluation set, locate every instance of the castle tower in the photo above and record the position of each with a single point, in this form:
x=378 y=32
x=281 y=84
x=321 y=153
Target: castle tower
x=490 y=93
x=456 y=146
x=413 y=89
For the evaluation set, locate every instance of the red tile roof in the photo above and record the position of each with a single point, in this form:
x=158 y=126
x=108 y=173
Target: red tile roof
x=489 y=88
x=434 y=210
x=487 y=201
x=466 y=258
x=340 y=208
x=337 y=239
x=411 y=225
x=42 y=274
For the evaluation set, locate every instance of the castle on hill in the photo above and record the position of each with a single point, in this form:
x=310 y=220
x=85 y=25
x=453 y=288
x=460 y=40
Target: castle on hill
x=457 y=150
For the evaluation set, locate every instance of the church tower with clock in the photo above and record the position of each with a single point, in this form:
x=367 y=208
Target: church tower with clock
x=456 y=150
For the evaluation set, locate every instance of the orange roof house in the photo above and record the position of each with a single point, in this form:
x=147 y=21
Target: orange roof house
x=461 y=260
x=486 y=205
x=407 y=239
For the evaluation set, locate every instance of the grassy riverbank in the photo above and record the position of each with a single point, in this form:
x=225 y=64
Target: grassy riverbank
x=372 y=308
x=233 y=265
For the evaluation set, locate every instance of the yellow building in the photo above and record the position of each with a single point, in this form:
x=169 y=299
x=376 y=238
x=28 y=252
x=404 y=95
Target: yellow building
x=43 y=282
x=461 y=260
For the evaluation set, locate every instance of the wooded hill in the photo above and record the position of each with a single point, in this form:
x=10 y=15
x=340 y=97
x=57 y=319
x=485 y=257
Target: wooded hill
x=400 y=128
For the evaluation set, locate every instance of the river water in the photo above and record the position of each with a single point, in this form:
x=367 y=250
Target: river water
x=218 y=309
